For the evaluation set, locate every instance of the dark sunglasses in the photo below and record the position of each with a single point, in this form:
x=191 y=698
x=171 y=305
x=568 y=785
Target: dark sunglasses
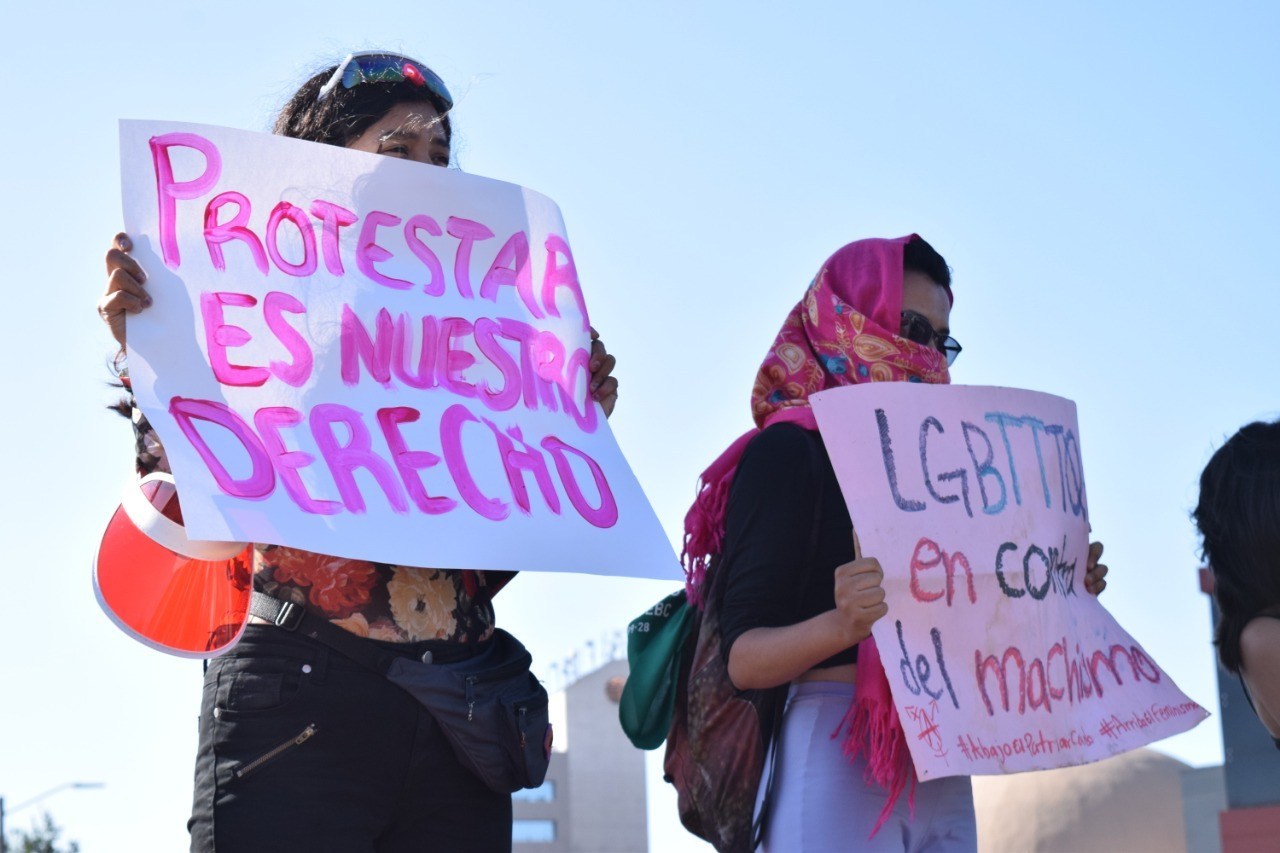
x=917 y=329
x=381 y=67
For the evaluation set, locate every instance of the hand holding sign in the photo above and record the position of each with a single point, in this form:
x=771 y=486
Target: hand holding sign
x=604 y=387
x=1094 y=572
x=125 y=293
x=859 y=595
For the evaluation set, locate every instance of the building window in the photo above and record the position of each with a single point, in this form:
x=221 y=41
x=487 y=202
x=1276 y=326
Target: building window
x=533 y=831
x=544 y=793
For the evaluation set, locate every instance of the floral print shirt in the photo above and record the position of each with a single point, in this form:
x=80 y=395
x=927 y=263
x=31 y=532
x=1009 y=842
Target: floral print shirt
x=375 y=600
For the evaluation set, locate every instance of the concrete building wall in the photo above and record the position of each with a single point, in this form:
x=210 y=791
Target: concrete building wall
x=1204 y=796
x=606 y=773
x=596 y=796
x=1136 y=802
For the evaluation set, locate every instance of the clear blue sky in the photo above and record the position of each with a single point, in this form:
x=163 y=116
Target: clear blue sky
x=1102 y=177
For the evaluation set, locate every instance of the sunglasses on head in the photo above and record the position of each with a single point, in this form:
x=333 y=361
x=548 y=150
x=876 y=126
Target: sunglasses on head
x=917 y=329
x=382 y=67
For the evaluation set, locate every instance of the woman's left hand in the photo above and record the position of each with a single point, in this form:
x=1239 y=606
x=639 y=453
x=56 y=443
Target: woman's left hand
x=604 y=388
x=1095 y=573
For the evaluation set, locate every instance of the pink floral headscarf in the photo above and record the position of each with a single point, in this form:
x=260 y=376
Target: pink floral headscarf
x=842 y=332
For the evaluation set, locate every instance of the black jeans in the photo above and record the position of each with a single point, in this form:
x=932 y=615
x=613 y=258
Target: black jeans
x=302 y=749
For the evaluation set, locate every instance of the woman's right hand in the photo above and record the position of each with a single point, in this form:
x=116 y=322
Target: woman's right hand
x=859 y=597
x=125 y=293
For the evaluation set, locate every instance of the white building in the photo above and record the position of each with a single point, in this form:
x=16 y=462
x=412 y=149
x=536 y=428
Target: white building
x=594 y=798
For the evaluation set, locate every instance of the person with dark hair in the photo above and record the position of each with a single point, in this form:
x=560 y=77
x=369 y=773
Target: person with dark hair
x=301 y=748
x=1238 y=516
x=769 y=541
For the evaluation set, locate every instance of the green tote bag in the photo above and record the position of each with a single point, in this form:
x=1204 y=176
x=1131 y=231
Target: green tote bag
x=655 y=642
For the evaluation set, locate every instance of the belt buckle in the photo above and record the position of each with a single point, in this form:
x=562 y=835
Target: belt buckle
x=290 y=616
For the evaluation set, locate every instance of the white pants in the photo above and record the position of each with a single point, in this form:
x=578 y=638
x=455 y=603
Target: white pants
x=821 y=803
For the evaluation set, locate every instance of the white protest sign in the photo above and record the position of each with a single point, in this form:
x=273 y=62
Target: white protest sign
x=372 y=358
x=973 y=500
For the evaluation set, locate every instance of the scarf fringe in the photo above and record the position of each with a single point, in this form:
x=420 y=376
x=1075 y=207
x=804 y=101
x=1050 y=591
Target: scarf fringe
x=704 y=523
x=704 y=535
x=873 y=731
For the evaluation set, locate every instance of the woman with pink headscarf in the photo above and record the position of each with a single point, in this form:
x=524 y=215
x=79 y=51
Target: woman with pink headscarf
x=795 y=596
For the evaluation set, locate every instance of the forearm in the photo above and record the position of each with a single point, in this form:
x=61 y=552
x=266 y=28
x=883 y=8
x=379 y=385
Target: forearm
x=766 y=657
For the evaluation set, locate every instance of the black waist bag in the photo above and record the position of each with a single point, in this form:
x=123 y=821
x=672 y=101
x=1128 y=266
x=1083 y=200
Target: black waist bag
x=490 y=707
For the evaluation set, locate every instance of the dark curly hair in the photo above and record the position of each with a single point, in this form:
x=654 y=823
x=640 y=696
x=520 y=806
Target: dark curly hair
x=344 y=114
x=1239 y=520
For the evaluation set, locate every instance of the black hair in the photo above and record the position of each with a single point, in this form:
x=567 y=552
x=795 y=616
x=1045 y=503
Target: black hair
x=919 y=256
x=344 y=113
x=1239 y=520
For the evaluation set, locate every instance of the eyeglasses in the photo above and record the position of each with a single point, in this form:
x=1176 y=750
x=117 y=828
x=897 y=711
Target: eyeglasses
x=919 y=330
x=381 y=67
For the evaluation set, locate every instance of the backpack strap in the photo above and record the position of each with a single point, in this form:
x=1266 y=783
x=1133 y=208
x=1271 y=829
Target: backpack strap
x=761 y=822
x=293 y=617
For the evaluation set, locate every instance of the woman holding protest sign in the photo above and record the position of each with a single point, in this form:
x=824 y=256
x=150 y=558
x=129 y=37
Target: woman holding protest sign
x=1238 y=515
x=302 y=746
x=770 y=546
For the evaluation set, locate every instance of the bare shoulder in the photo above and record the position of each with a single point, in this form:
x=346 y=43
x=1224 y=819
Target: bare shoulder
x=1260 y=653
x=1260 y=643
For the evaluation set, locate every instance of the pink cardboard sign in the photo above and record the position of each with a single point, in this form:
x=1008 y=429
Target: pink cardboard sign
x=372 y=358
x=973 y=499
